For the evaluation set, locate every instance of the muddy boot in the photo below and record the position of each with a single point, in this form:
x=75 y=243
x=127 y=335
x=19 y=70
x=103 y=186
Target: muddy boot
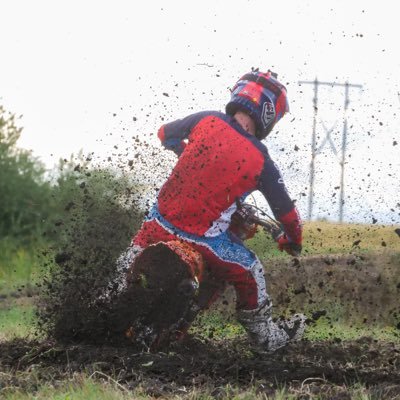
x=266 y=335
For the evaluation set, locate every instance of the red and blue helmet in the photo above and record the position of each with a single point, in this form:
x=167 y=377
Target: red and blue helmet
x=262 y=97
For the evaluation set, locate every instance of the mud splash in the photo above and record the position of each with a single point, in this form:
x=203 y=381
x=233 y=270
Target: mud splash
x=99 y=216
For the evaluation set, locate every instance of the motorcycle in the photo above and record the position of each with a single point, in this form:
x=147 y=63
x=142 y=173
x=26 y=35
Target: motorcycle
x=168 y=284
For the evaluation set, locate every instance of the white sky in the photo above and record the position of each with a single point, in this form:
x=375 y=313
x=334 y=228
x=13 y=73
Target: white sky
x=80 y=70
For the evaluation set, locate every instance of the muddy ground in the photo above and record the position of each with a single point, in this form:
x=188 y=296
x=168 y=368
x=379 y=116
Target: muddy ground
x=327 y=368
x=321 y=368
x=345 y=288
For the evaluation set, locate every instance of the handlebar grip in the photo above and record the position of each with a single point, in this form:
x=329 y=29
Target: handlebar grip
x=270 y=226
x=274 y=230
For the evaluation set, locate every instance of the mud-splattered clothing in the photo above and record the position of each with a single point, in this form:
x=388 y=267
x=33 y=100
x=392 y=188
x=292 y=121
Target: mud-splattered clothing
x=219 y=164
x=226 y=256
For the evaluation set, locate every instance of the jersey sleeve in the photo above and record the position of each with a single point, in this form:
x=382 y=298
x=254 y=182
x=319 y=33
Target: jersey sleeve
x=271 y=185
x=173 y=134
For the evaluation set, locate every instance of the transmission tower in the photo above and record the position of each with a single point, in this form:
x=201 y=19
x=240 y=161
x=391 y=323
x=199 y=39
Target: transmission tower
x=314 y=150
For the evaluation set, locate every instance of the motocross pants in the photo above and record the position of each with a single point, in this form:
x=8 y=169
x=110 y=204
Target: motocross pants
x=226 y=256
x=230 y=262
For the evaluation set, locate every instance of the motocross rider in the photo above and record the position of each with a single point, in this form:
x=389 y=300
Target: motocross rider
x=222 y=159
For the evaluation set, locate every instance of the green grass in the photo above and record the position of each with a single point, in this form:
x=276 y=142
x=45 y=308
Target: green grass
x=325 y=238
x=102 y=387
x=326 y=330
x=216 y=325
x=79 y=387
x=16 y=319
x=85 y=387
x=19 y=266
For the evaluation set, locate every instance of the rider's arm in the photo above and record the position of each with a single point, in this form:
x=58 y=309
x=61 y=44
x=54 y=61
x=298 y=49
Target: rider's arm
x=173 y=134
x=274 y=190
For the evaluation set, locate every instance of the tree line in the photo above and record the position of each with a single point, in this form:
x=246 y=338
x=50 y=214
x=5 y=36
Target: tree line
x=37 y=205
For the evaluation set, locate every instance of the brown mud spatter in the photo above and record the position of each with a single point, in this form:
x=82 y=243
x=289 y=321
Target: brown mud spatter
x=154 y=296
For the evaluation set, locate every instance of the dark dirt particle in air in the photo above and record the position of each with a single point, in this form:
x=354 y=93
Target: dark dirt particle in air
x=299 y=290
x=61 y=258
x=316 y=315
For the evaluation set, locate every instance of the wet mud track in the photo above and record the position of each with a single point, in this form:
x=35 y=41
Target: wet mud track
x=319 y=367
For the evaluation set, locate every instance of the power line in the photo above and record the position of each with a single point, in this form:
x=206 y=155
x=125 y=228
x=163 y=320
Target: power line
x=314 y=150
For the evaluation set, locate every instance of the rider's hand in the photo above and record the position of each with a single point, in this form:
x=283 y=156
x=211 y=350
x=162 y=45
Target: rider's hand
x=284 y=244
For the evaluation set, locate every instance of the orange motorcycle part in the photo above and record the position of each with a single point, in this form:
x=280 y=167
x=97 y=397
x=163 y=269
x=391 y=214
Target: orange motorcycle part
x=191 y=257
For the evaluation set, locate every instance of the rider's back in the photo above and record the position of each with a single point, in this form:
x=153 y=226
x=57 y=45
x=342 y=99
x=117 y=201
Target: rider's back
x=220 y=163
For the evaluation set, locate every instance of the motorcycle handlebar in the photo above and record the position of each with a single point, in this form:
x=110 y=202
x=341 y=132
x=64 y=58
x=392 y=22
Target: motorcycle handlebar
x=272 y=227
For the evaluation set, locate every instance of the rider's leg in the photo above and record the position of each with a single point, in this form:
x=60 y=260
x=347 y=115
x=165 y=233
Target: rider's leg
x=267 y=335
x=230 y=261
x=152 y=232
x=118 y=283
x=124 y=262
x=149 y=233
x=244 y=270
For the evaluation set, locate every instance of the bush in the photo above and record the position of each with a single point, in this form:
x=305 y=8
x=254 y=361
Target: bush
x=24 y=191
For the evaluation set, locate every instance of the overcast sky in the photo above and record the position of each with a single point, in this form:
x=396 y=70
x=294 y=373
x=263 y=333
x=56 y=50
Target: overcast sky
x=92 y=74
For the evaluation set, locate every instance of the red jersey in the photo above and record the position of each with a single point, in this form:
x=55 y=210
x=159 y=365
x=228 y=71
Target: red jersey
x=220 y=163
